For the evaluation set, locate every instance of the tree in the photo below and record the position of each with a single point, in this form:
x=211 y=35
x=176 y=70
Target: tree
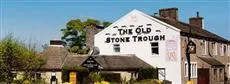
x=74 y=35
x=16 y=56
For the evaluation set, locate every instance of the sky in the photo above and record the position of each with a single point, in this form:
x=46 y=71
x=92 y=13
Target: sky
x=39 y=21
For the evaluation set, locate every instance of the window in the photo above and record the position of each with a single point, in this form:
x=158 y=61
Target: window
x=193 y=69
x=228 y=50
x=228 y=69
x=219 y=49
x=186 y=69
x=38 y=75
x=155 y=48
x=214 y=48
x=204 y=47
x=221 y=74
x=222 y=50
x=215 y=74
x=225 y=50
x=116 y=47
x=53 y=73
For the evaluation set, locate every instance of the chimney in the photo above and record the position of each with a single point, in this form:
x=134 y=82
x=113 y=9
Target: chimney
x=169 y=13
x=196 y=21
x=56 y=43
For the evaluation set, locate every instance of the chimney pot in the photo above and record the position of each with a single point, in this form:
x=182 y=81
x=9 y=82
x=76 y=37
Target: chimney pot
x=197 y=14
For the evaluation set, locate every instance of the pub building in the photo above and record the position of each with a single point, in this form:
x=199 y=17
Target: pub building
x=139 y=40
x=161 y=41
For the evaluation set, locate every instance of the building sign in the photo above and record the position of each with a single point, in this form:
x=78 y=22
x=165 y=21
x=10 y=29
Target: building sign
x=73 y=77
x=171 y=50
x=191 y=47
x=139 y=34
x=90 y=63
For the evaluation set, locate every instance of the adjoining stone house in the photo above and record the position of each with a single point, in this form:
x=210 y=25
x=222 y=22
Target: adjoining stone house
x=57 y=56
x=210 y=64
x=161 y=41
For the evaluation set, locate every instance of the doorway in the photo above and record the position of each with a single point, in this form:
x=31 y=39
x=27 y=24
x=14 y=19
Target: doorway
x=203 y=76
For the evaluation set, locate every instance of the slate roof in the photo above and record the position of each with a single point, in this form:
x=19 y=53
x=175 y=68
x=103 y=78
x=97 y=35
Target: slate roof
x=212 y=61
x=57 y=57
x=54 y=57
x=195 y=31
x=124 y=62
x=110 y=62
x=74 y=60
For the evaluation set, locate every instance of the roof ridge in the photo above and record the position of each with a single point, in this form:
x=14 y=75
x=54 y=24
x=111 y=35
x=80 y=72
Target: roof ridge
x=64 y=60
x=203 y=32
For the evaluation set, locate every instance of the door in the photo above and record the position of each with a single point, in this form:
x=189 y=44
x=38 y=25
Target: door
x=203 y=76
x=73 y=77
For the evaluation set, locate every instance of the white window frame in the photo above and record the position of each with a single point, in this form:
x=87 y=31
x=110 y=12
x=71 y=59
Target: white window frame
x=225 y=50
x=204 y=47
x=228 y=66
x=228 y=50
x=53 y=73
x=222 y=50
x=215 y=74
x=193 y=71
x=221 y=71
x=155 y=47
x=116 y=46
x=215 y=49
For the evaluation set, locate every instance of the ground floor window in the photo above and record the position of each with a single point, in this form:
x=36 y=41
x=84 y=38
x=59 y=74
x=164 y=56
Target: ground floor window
x=228 y=70
x=215 y=74
x=221 y=76
x=193 y=68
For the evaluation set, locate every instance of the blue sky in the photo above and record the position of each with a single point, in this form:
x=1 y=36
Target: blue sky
x=41 y=20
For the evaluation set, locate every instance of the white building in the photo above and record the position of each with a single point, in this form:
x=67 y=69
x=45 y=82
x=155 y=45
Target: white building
x=148 y=38
x=156 y=42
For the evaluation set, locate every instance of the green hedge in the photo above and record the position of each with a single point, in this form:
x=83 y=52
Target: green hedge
x=111 y=77
x=147 y=73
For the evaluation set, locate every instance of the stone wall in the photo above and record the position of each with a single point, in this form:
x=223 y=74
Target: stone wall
x=225 y=59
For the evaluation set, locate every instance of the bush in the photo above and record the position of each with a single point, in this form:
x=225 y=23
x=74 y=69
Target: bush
x=27 y=81
x=147 y=81
x=147 y=73
x=95 y=77
x=111 y=77
x=102 y=82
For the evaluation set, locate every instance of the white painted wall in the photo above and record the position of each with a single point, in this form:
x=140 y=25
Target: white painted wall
x=143 y=49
